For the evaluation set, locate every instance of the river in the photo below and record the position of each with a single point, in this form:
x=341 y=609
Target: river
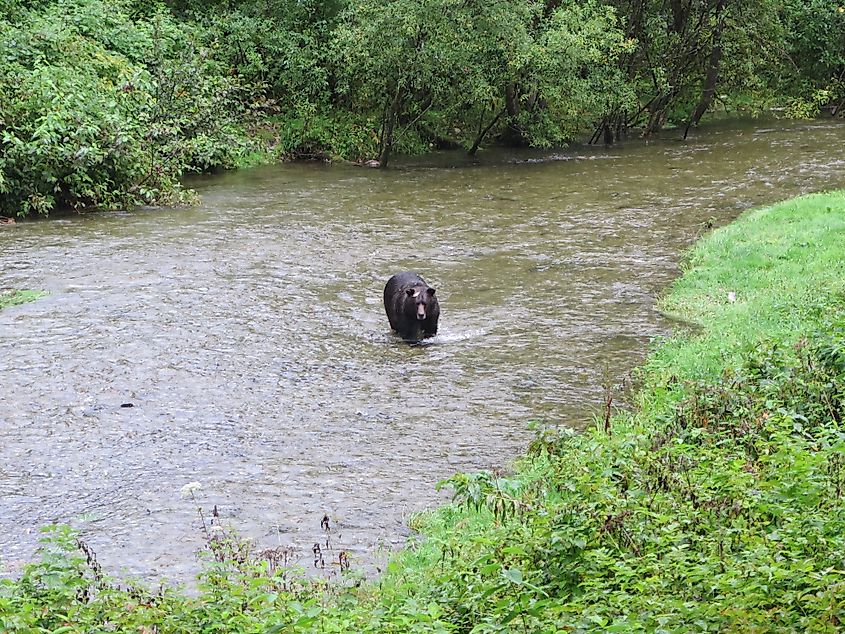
x=248 y=336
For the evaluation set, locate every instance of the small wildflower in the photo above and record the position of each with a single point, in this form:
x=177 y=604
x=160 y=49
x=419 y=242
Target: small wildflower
x=731 y=297
x=188 y=489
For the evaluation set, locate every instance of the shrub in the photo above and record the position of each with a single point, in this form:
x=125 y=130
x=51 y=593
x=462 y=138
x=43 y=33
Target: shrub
x=102 y=109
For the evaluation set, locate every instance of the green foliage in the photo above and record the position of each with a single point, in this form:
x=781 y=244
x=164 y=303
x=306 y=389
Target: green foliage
x=440 y=67
x=109 y=104
x=271 y=52
x=319 y=136
x=102 y=109
x=397 y=60
x=577 y=77
x=66 y=591
x=64 y=129
x=12 y=297
x=817 y=43
x=689 y=58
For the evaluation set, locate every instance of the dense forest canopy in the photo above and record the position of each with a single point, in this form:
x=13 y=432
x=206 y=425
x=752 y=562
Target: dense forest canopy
x=109 y=103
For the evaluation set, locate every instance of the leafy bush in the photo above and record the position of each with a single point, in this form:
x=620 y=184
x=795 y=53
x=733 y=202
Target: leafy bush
x=66 y=591
x=101 y=109
x=311 y=135
x=817 y=41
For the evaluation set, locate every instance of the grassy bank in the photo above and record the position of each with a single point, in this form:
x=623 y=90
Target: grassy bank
x=717 y=505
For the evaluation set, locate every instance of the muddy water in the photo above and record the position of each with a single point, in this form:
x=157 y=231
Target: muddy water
x=248 y=334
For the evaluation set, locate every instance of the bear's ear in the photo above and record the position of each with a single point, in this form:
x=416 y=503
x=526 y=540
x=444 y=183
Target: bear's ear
x=409 y=292
x=430 y=290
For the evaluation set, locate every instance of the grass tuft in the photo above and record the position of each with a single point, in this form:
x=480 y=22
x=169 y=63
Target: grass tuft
x=13 y=297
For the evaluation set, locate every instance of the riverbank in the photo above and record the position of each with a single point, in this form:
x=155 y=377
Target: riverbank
x=717 y=502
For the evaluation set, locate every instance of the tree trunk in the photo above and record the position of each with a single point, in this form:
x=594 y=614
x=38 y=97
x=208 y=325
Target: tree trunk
x=482 y=133
x=512 y=135
x=388 y=127
x=657 y=113
x=680 y=15
x=711 y=78
x=708 y=91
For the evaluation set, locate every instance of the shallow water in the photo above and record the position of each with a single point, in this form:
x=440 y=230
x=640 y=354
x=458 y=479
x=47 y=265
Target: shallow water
x=248 y=334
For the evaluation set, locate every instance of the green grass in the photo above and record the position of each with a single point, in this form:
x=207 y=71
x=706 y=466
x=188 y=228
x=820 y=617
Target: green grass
x=715 y=506
x=12 y=297
x=785 y=265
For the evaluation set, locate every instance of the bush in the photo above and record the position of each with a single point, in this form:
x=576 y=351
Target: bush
x=66 y=591
x=102 y=109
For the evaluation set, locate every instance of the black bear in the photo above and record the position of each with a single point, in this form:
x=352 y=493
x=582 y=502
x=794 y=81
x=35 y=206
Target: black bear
x=411 y=306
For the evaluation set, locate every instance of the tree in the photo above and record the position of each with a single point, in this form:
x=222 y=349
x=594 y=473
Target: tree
x=688 y=52
x=394 y=58
x=815 y=50
x=470 y=68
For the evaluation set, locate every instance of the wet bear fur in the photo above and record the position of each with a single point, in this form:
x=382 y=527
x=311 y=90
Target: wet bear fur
x=411 y=306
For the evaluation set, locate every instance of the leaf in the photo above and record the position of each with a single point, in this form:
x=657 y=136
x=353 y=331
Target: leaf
x=513 y=575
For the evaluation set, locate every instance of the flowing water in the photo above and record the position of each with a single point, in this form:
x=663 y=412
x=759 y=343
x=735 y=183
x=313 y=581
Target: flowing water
x=249 y=337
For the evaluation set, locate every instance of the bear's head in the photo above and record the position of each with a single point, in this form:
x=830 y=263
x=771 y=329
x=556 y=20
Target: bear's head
x=419 y=301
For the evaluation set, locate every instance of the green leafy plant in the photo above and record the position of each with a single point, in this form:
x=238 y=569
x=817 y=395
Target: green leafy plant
x=13 y=297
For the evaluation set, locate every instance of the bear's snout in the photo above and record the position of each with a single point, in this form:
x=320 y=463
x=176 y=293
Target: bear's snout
x=420 y=311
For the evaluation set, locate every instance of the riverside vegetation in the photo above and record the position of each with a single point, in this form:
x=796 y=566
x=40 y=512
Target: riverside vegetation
x=715 y=504
x=12 y=297
x=108 y=104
